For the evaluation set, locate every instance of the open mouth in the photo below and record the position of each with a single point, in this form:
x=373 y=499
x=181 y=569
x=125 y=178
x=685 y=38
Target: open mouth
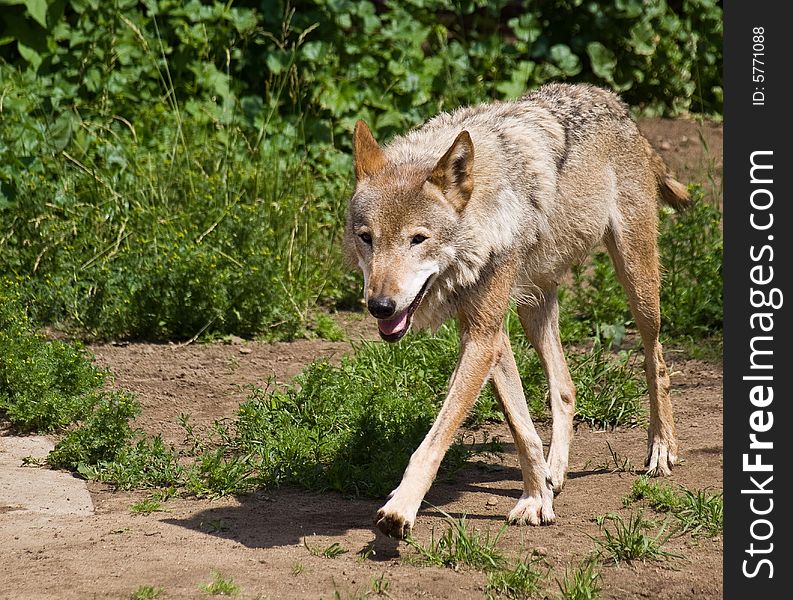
x=397 y=326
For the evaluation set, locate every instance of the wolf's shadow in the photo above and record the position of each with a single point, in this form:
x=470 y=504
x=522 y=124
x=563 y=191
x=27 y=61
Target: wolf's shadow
x=288 y=515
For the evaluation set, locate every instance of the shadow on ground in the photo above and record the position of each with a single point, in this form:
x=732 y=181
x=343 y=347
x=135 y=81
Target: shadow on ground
x=287 y=516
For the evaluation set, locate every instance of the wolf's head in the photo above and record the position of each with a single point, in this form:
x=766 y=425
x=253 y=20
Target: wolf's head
x=401 y=224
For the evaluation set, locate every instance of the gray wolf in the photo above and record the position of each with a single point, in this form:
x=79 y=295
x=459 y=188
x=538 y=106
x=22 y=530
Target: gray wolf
x=494 y=203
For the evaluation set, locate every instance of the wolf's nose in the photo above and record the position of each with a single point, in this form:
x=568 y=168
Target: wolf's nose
x=382 y=307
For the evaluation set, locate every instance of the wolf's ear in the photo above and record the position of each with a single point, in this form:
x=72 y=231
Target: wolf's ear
x=368 y=156
x=454 y=172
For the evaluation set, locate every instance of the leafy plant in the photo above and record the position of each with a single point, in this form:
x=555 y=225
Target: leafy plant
x=145 y=507
x=146 y=592
x=220 y=586
x=45 y=385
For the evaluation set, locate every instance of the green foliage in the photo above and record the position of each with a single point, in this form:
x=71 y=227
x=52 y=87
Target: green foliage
x=697 y=511
x=170 y=169
x=178 y=228
x=629 y=540
x=146 y=592
x=521 y=581
x=145 y=507
x=101 y=436
x=135 y=462
x=45 y=385
x=609 y=392
x=334 y=550
x=581 y=582
x=460 y=546
x=220 y=586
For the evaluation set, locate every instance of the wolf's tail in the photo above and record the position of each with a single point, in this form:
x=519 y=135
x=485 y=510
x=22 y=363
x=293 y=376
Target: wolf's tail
x=671 y=191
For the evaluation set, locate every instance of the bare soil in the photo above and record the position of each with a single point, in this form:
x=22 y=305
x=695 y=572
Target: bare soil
x=259 y=540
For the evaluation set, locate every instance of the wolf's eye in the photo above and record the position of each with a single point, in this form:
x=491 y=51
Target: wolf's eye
x=417 y=239
x=365 y=238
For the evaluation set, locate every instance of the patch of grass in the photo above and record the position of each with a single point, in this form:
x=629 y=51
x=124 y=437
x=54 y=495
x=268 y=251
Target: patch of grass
x=145 y=507
x=581 y=582
x=350 y=428
x=521 y=581
x=698 y=511
x=220 y=586
x=609 y=389
x=325 y=327
x=191 y=222
x=297 y=569
x=45 y=385
x=701 y=512
x=380 y=585
x=629 y=541
x=146 y=592
x=334 y=550
x=459 y=546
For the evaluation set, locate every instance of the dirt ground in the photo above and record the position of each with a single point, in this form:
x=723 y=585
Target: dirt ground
x=259 y=540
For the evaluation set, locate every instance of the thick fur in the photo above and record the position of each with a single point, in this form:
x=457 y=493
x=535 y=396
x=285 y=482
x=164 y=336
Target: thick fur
x=496 y=202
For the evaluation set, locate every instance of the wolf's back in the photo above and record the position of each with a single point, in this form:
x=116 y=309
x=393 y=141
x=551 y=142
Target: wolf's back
x=582 y=109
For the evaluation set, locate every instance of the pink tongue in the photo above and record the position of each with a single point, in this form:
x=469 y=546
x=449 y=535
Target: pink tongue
x=395 y=325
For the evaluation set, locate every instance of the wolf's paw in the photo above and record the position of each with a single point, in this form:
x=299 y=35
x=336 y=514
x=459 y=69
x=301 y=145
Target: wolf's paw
x=394 y=521
x=661 y=455
x=533 y=510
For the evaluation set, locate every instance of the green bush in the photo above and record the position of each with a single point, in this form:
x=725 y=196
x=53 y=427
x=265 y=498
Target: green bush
x=166 y=231
x=169 y=168
x=44 y=385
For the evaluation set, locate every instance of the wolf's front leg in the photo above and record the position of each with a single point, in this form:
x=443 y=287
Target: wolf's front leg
x=479 y=352
x=535 y=506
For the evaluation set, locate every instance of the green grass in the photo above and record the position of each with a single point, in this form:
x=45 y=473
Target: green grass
x=698 y=512
x=628 y=541
x=461 y=546
x=522 y=580
x=146 y=592
x=379 y=586
x=220 y=586
x=580 y=582
x=334 y=550
x=146 y=507
x=350 y=428
x=45 y=385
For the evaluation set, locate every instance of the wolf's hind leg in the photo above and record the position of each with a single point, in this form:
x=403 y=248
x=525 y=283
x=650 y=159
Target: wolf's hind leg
x=535 y=506
x=541 y=324
x=633 y=249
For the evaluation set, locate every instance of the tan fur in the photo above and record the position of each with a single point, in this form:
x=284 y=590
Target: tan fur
x=496 y=202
